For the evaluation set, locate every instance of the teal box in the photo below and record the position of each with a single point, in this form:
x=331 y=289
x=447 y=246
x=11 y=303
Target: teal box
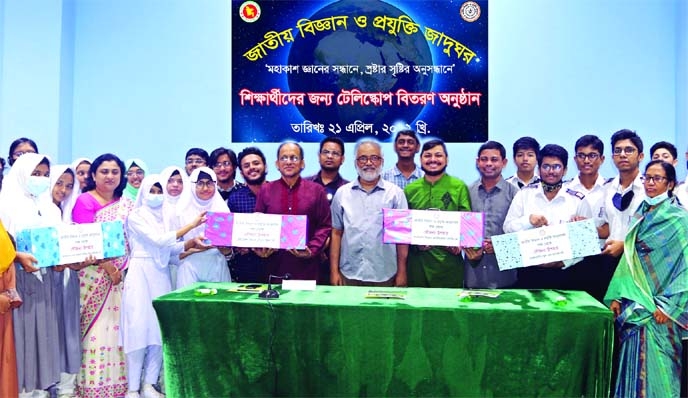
x=67 y=244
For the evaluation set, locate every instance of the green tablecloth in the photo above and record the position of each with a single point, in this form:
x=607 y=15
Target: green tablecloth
x=335 y=342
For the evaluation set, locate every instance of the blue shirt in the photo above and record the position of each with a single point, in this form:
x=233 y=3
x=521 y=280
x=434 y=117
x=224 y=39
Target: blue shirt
x=395 y=176
x=494 y=204
x=358 y=213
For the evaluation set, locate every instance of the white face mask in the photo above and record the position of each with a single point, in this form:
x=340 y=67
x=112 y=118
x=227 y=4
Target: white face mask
x=657 y=199
x=154 y=200
x=36 y=185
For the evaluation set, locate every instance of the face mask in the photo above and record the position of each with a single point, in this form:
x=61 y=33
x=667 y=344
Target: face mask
x=622 y=202
x=37 y=185
x=657 y=199
x=154 y=200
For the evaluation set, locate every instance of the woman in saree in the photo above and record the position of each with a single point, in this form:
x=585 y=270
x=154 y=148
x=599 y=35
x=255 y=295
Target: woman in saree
x=103 y=367
x=25 y=204
x=649 y=291
x=9 y=300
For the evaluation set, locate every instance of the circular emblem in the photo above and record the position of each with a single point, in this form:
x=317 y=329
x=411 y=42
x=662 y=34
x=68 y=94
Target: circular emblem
x=470 y=11
x=250 y=11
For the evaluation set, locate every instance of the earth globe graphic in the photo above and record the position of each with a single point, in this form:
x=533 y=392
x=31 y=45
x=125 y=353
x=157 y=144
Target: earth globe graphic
x=362 y=47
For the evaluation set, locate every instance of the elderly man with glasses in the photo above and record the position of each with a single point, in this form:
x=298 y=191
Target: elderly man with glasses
x=291 y=194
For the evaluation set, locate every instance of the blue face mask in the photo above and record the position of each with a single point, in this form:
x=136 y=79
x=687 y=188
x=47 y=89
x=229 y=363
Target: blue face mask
x=154 y=200
x=657 y=199
x=36 y=185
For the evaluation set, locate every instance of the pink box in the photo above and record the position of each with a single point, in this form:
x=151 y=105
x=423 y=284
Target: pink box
x=447 y=228
x=277 y=231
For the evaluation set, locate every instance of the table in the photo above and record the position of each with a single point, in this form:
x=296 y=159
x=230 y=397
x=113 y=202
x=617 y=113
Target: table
x=335 y=342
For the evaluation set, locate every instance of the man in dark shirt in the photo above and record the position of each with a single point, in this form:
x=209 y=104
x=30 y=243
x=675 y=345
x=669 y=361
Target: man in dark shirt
x=246 y=265
x=331 y=157
x=291 y=194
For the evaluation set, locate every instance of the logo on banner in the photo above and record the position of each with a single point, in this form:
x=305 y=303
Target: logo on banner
x=249 y=11
x=470 y=11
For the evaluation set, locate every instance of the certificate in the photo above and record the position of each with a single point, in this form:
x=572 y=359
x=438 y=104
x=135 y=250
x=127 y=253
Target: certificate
x=276 y=231
x=546 y=244
x=433 y=228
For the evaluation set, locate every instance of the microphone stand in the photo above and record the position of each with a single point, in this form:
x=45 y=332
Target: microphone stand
x=271 y=293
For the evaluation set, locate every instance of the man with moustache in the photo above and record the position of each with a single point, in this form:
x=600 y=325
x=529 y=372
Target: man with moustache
x=491 y=195
x=538 y=205
x=358 y=257
x=435 y=266
x=405 y=171
x=291 y=194
x=331 y=157
x=224 y=164
x=246 y=265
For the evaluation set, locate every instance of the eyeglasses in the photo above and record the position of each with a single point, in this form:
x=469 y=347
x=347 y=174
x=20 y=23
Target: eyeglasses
x=592 y=156
x=548 y=167
x=292 y=158
x=195 y=161
x=629 y=150
x=19 y=153
x=139 y=173
x=364 y=159
x=205 y=184
x=334 y=154
x=226 y=163
x=654 y=179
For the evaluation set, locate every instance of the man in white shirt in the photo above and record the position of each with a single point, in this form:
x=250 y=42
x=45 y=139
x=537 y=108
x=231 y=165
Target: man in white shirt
x=526 y=157
x=538 y=205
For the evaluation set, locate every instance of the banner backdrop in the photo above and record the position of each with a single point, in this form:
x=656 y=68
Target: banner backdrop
x=303 y=70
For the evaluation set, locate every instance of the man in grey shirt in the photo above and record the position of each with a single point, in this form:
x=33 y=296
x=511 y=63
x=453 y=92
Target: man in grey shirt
x=357 y=255
x=492 y=195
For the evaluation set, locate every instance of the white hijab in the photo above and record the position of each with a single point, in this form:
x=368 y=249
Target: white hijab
x=19 y=209
x=190 y=206
x=56 y=172
x=169 y=206
x=152 y=216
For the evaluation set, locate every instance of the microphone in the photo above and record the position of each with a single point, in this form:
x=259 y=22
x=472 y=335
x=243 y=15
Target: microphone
x=271 y=293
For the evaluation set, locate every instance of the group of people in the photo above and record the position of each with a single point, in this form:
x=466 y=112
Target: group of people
x=108 y=340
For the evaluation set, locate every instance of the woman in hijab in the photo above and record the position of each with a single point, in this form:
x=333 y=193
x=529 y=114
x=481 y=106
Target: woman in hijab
x=201 y=265
x=24 y=204
x=136 y=171
x=173 y=180
x=64 y=189
x=148 y=277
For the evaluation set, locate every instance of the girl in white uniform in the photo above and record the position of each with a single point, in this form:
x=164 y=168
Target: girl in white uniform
x=148 y=277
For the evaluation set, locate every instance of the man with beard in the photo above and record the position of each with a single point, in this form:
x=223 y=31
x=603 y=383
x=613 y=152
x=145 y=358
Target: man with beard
x=357 y=255
x=435 y=266
x=224 y=164
x=247 y=266
x=539 y=205
x=291 y=194
x=526 y=151
x=405 y=171
x=331 y=157
x=491 y=195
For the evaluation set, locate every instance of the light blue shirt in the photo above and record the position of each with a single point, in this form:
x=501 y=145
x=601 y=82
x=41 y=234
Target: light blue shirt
x=358 y=214
x=395 y=176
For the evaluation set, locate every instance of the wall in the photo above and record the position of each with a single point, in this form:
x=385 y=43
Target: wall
x=151 y=78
